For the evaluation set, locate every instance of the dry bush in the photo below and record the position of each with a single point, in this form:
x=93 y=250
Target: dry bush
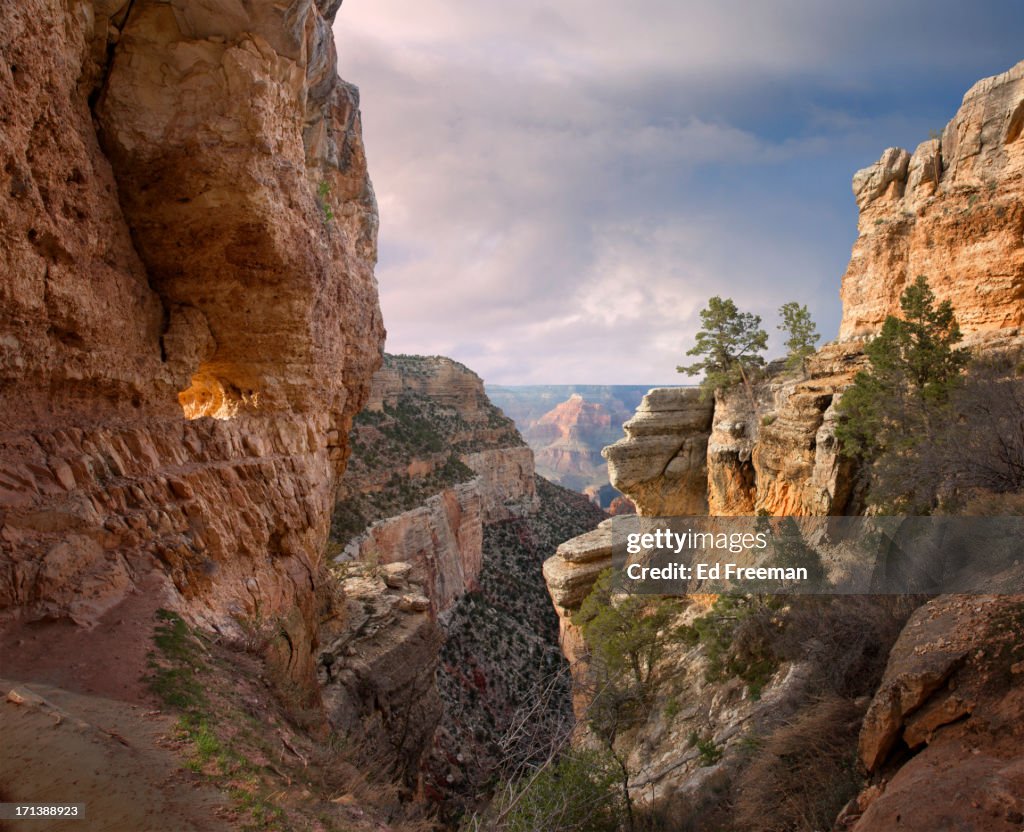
x=804 y=773
x=987 y=504
x=846 y=638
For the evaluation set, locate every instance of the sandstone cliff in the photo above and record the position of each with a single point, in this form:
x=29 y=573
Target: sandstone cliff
x=953 y=210
x=436 y=541
x=189 y=314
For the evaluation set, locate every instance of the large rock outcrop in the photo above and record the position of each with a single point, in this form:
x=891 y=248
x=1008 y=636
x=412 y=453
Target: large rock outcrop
x=949 y=704
x=441 y=540
x=953 y=210
x=738 y=454
x=377 y=666
x=948 y=718
x=661 y=463
x=189 y=314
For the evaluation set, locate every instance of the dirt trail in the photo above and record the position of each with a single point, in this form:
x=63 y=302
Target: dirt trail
x=117 y=758
x=78 y=725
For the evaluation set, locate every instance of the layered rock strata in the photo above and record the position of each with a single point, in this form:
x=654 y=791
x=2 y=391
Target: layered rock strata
x=189 y=314
x=953 y=210
x=441 y=541
x=737 y=454
x=661 y=463
x=376 y=669
x=434 y=461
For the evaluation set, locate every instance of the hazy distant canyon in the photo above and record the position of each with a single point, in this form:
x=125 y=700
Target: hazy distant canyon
x=567 y=426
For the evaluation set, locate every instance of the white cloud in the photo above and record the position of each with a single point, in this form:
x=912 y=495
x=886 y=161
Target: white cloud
x=561 y=188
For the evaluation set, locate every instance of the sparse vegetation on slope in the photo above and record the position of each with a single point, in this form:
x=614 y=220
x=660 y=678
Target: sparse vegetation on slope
x=502 y=646
x=237 y=731
x=381 y=479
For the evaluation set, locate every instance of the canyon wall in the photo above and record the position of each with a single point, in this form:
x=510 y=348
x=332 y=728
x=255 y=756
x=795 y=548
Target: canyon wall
x=189 y=313
x=567 y=426
x=952 y=211
x=445 y=630
x=434 y=461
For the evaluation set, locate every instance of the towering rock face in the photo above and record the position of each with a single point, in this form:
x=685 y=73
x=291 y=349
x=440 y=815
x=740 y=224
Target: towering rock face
x=952 y=211
x=437 y=538
x=189 y=314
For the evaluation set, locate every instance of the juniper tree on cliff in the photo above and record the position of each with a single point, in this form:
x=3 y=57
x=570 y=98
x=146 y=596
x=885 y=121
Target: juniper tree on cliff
x=731 y=342
x=803 y=334
x=898 y=406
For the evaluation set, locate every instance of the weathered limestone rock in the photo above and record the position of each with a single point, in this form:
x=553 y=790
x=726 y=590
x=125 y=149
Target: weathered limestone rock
x=660 y=465
x=570 y=574
x=953 y=212
x=797 y=466
x=732 y=486
x=505 y=481
x=186 y=337
x=571 y=571
x=433 y=415
x=449 y=383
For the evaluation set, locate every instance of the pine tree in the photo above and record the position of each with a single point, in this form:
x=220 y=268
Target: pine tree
x=803 y=334
x=895 y=406
x=730 y=342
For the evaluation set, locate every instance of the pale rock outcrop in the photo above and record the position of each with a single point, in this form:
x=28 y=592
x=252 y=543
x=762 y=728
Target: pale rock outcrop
x=660 y=464
x=570 y=574
x=505 y=481
x=376 y=668
x=186 y=335
x=444 y=380
x=797 y=464
x=953 y=211
x=572 y=570
x=430 y=409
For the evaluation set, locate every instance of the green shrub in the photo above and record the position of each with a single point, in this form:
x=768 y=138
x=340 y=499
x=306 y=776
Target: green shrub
x=738 y=634
x=582 y=792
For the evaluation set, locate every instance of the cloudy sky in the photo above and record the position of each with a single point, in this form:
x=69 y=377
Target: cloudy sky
x=563 y=185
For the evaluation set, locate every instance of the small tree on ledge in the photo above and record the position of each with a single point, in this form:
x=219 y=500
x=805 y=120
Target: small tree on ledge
x=803 y=334
x=731 y=342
